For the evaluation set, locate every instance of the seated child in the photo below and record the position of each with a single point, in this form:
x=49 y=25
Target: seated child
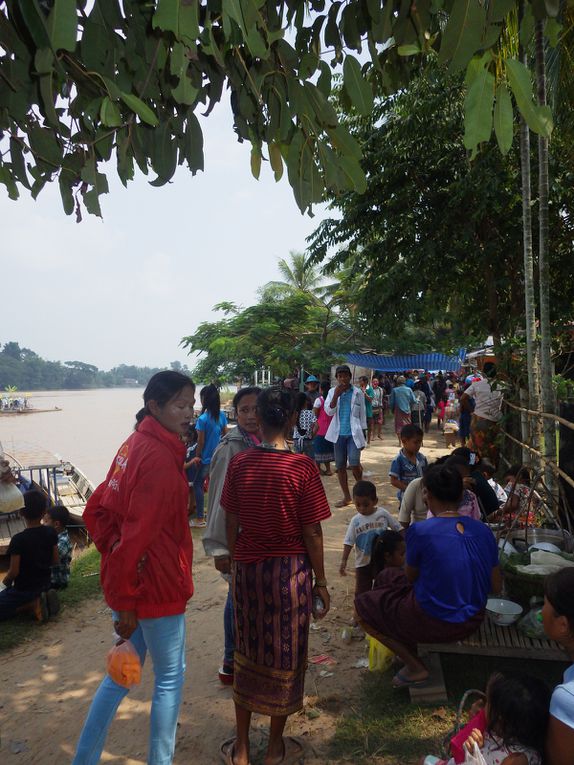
x=59 y=518
x=514 y=723
x=469 y=505
x=389 y=551
x=31 y=552
x=558 y=620
x=522 y=501
x=488 y=470
x=409 y=462
x=364 y=528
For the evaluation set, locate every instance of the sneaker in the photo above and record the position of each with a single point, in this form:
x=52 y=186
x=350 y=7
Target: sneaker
x=53 y=602
x=225 y=674
x=197 y=524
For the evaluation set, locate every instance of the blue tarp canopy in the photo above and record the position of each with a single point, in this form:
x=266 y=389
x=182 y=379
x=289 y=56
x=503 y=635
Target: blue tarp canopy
x=429 y=361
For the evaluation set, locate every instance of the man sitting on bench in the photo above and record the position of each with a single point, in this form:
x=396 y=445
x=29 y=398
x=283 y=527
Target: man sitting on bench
x=32 y=552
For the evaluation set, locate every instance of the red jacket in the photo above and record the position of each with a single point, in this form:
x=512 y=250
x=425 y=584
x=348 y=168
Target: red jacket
x=141 y=508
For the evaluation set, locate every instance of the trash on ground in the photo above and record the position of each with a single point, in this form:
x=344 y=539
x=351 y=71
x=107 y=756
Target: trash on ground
x=323 y=658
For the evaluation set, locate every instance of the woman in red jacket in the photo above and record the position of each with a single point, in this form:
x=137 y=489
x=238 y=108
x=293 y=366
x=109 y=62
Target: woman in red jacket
x=138 y=520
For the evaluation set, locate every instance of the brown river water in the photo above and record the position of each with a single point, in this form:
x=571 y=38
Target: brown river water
x=87 y=431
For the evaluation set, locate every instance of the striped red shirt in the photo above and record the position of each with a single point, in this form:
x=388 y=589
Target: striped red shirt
x=275 y=493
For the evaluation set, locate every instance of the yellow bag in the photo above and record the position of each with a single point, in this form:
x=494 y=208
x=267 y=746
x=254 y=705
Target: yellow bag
x=380 y=657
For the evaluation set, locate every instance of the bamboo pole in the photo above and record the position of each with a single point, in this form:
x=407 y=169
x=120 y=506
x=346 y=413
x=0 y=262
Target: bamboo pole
x=548 y=415
x=552 y=465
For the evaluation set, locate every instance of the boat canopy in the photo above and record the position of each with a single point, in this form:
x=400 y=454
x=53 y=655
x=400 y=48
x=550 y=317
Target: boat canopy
x=27 y=456
x=389 y=363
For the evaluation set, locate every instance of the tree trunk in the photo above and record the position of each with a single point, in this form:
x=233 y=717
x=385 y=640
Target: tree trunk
x=529 y=296
x=548 y=399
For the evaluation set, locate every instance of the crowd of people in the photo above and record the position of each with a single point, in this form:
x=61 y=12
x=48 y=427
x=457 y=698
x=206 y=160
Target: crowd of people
x=422 y=574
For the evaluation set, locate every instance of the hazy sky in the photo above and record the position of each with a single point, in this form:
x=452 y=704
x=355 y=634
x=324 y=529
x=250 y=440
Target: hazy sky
x=126 y=289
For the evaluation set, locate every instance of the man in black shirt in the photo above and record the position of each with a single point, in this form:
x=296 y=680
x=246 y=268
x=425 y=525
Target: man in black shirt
x=32 y=552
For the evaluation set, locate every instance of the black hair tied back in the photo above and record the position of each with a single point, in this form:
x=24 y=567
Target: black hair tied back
x=275 y=407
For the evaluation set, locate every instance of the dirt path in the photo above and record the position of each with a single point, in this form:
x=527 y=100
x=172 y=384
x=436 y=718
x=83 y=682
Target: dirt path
x=46 y=685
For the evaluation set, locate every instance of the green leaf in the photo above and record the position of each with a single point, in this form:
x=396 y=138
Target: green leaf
x=256 y=162
x=110 y=114
x=538 y=119
x=35 y=22
x=499 y=9
x=45 y=146
x=344 y=142
x=140 y=108
x=527 y=26
x=478 y=110
x=276 y=160
x=166 y=16
x=324 y=81
x=47 y=93
x=7 y=179
x=503 y=118
x=354 y=173
x=357 y=88
x=412 y=49
x=43 y=60
x=552 y=31
x=66 y=193
x=63 y=25
x=188 y=21
x=463 y=33
x=18 y=162
x=324 y=111
x=185 y=92
x=164 y=157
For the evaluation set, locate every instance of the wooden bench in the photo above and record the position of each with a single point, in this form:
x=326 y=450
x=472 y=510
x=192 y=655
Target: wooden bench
x=489 y=640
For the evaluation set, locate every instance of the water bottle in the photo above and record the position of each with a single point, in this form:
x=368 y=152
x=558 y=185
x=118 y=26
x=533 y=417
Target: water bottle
x=318 y=605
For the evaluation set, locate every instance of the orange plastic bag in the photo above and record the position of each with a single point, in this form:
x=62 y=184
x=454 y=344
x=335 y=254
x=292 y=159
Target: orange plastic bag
x=124 y=666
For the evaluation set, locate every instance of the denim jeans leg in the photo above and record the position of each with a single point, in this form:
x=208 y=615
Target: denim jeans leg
x=229 y=630
x=202 y=472
x=102 y=711
x=165 y=639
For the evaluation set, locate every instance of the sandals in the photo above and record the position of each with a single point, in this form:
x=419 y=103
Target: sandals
x=293 y=751
x=226 y=751
x=343 y=503
x=400 y=680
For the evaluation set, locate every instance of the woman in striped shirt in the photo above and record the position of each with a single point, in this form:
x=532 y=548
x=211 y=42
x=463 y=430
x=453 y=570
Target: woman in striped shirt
x=274 y=503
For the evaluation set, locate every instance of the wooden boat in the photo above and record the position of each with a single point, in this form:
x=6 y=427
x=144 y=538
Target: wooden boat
x=60 y=481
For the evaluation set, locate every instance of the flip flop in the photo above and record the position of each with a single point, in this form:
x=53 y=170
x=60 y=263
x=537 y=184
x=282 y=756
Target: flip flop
x=293 y=751
x=343 y=503
x=400 y=680
x=226 y=751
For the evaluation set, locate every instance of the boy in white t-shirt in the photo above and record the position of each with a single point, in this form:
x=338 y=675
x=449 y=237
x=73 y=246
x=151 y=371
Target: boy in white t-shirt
x=364 y=528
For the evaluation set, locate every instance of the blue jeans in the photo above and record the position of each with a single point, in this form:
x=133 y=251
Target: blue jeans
x=11 y=599
x=202 y=473
x=229 y=630
x=165 y=640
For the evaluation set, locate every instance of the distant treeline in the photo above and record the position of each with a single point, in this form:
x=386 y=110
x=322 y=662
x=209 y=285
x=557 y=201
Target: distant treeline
x=24 y=370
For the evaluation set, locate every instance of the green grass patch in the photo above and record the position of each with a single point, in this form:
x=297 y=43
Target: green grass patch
x=81 y=586
x=386 y=725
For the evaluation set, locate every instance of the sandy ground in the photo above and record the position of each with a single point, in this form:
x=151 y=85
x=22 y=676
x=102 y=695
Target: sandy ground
x=46 y=684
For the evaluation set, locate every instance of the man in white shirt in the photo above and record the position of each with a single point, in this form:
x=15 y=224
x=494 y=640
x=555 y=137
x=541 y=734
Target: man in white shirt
x=345 y=403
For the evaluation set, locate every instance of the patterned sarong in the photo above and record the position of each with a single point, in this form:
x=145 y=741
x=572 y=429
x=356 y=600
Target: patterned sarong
x=273 y=605
x=401 y=419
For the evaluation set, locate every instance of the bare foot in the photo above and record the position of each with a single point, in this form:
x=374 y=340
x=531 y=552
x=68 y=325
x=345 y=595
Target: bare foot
x=343 y=502
x=291 y=753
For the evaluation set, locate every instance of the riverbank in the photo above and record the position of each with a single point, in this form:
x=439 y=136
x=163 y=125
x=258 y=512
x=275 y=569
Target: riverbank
x=48 y=681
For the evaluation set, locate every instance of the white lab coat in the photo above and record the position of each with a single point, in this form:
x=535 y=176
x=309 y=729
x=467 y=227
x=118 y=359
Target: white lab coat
x=358 y=417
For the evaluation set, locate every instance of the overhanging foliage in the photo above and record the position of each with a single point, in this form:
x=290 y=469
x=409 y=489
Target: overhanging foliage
x=84 y=82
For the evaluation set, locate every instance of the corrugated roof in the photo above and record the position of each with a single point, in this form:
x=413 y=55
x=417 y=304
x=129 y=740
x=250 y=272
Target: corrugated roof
x=383 y=363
